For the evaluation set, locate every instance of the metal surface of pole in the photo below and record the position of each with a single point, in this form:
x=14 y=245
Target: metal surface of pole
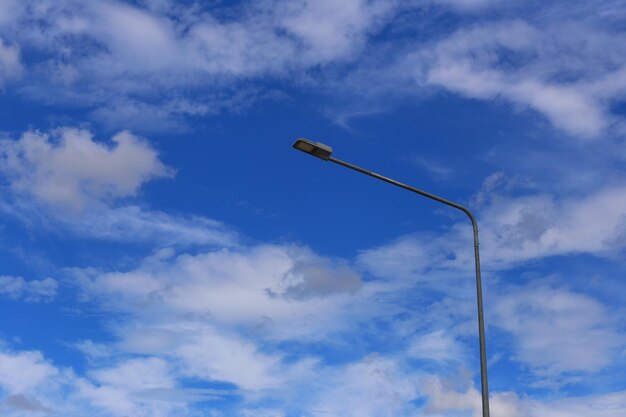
x=479 y=290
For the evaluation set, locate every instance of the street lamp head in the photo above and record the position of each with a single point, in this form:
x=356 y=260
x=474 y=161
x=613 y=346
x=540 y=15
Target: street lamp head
x=313 y=148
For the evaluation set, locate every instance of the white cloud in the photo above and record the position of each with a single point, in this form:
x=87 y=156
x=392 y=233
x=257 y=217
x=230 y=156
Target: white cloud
x=69 y=169
x=422 y=257
x=438 y=345
x=536 y=226
x=220 y=315
x=93 y=351
x=138 y=38
x=21 y=404
x=136 y=375
x=127 y=224
x=30 y=385
x=10 y=63
x=262 y=413
x=165 y=52
x=278 y=283
x=8 y=11
x=33 y=291
x=144 y=386
x=159 y=55
x=212 y=356
x=559 y=335
x=206 y=352
x=333 y=31
x=23 y=371
x=602 y=405
x=513 y=230
x=470 y=5
x=169 y=340
x=161 y=117
x=137 y=387
x=373 y=387
x=66 y=182
x=134 y=224
x=446 y=398
x=558 y=70
x=436 y=169
x=558 y=331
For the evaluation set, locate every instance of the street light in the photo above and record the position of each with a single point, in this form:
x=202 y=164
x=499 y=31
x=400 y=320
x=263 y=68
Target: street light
x=324 y=152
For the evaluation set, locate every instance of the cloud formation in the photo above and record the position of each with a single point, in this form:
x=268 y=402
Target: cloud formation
x=24 y=371
x=10 y=62
x=567 y=72
x=373 y=386
x=245 y=286
x=446 y=398
x=276 y=323
x=163 y=62
x=34 y=291
x=513 y=230
x=155 y=55
x=69 y=169
x=136 y=224
x=67 y=182
x=558 y=332
x=221 y=316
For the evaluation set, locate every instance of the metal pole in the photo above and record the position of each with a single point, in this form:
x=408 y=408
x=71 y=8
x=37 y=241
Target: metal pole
x=479 y=290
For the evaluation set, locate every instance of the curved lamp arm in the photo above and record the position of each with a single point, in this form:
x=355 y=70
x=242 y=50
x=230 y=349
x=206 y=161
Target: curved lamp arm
x=324 y=152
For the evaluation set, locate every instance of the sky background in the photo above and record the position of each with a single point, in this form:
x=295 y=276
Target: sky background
x=164 y=252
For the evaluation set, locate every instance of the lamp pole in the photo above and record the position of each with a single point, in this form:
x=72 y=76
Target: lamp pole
x=324 y=152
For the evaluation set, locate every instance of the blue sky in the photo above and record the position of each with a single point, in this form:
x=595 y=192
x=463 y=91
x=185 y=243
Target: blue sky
x=165 y=252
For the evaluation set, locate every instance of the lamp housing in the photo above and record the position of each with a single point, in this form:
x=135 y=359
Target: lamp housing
x=316 y=149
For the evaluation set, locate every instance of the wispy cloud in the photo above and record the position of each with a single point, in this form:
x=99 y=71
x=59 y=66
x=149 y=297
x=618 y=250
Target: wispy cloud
x=373 y=386
x=446 y=398
x=10 y=62
x=556 y=70
x=23 y=371
x=437 y=169
x=141 y=52
x=470 y=5
x=122 y=389
x=289 y=331
x=133 y=224
x=561 y=62
x=185 y=60
x=513 y=230
x=558 y=332
x=226 y=315
x=34 y=291
x=67 y=182
x=279 y=285
x=438 y=346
